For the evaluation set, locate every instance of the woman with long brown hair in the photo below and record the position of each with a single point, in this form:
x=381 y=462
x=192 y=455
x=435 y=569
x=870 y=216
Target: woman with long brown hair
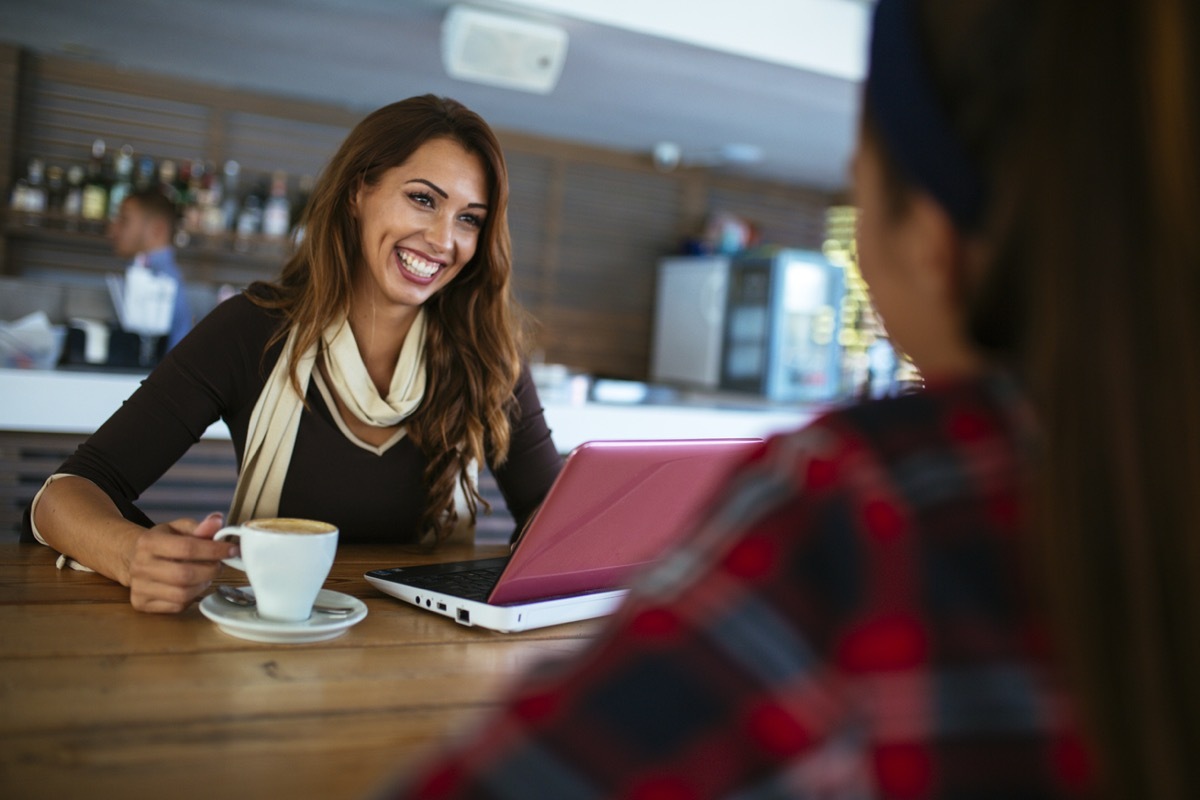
x=985 y=589
x=365 y=387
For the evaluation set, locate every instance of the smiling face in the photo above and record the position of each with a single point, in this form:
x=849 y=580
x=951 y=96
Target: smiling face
x=420 y=225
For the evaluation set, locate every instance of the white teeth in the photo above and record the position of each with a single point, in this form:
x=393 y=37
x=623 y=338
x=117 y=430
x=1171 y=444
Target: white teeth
x=417 y=266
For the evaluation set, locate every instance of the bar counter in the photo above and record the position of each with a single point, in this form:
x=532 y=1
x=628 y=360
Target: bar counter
x=60 y=401
x=100 y=701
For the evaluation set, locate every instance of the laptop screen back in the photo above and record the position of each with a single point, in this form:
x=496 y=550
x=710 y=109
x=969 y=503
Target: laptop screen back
x=616 y=506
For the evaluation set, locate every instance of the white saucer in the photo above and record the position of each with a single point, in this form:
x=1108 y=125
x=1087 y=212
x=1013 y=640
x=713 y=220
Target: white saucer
x=245 y=623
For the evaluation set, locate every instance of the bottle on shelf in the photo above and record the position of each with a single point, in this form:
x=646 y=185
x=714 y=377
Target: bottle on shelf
x=167 y=174
x=277 y=214
x=20 y=193
x=143 y=178
x=193 y=196
x=56 y=188
x=212 y=218
x=36 y=204
x=87 y=196
x=72 y=207
x=229 y=195
x=95 y=190
x=181 y=191
x=249 y=219
x=183 y=182
x=122 y=180
x=29 y=193
x=305 y=190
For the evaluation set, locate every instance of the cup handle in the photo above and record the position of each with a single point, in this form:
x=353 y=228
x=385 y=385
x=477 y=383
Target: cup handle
x=225 y=533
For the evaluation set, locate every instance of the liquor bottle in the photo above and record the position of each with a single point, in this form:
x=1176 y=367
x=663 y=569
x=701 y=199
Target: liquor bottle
x=122 y=180
x=277 y=215
x=183 y=183
x=249 y=218
x=212 y=218
x=193 y=196
x=36 y=204
x=95 y=189
x=144 y=177
x=72 y=207
x=167 y=174
x=229 y=195
x=249 y=222
x=180 y=190
x=20 y=195
x=56 y=189
x=29 y=193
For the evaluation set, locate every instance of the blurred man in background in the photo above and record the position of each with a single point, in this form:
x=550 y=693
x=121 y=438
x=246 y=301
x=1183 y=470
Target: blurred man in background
x=143 y=231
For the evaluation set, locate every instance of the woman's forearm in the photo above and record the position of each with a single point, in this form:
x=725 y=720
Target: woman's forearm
x=79 y=520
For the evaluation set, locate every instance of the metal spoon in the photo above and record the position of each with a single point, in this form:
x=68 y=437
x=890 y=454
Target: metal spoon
x=242 y=598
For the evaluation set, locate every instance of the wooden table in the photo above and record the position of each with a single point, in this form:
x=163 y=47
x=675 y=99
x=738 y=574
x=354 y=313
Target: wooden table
x=98 y=700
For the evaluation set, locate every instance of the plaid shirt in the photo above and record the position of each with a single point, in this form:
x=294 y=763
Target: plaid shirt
x=849 y=622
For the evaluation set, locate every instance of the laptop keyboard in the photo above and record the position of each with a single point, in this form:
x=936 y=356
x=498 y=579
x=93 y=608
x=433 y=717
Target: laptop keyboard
x=470 y=584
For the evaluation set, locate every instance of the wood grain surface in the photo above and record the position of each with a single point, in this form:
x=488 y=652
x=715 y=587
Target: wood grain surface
x=98 y=700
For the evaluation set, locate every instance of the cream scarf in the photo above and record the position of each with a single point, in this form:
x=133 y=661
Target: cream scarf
x=276 y=416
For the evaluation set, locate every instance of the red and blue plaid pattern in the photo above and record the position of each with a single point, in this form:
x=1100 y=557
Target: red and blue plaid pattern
x=851 y=621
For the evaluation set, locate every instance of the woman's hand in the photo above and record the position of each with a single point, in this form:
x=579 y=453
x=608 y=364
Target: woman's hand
x=170 y=565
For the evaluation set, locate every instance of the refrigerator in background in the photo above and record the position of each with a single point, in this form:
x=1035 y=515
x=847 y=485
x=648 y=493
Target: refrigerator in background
x=689 y=321
x=780 y=335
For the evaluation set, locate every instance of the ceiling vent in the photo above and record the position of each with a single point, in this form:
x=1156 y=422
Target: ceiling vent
x=500 y=50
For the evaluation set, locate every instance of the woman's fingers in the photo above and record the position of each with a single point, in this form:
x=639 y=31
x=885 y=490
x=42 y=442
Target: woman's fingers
x=171 y=566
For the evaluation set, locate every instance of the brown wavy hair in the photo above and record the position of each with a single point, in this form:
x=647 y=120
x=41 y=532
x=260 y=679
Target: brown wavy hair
x=1088 y=128
x=473 y=335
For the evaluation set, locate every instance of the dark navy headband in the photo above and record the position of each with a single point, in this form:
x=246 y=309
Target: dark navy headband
x=910 y=119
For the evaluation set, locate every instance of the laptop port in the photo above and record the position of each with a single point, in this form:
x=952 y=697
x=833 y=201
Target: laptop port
x=464 y=616
x=441 y=606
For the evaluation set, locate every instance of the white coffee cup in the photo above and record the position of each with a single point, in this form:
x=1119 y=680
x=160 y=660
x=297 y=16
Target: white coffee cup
x=286 y=560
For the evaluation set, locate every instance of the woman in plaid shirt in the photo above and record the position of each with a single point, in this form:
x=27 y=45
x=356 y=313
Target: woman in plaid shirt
x=986 y=589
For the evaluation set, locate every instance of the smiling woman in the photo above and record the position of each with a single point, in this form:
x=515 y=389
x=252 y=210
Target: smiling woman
x=416 y=235
x=364 y=387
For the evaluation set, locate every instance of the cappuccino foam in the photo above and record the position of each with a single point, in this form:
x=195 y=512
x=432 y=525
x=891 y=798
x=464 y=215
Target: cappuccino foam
x=290 y=525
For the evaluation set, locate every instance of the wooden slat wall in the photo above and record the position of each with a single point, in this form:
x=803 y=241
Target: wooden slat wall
x=10 y=75
x=531 y=227
x=587 y=224
x=63 y=118
x=262 y=144
x=199 y=483
x=601 y=305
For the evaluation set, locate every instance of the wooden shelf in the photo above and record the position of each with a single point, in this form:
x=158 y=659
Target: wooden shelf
x=59 y=230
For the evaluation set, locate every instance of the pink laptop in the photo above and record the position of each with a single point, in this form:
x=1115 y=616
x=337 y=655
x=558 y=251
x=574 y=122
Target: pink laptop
x=616 y=507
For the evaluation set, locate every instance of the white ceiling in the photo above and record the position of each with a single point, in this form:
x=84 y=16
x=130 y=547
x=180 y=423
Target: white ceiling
x=620 y=88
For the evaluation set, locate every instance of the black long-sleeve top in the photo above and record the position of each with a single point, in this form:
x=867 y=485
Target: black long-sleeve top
x=218 y=372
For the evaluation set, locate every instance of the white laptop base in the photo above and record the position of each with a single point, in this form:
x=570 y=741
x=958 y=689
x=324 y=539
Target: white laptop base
x=505 y=619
